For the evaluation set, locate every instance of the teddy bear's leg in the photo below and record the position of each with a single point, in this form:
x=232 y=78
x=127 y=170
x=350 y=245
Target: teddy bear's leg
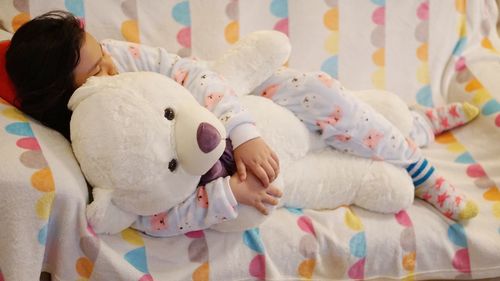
x=253 y=59
x=385 y=188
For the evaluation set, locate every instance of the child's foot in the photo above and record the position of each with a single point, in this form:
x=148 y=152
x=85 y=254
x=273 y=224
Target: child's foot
x=447 y=117
x=439 y=192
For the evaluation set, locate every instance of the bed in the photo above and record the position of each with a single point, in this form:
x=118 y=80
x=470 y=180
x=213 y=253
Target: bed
x=427 y=51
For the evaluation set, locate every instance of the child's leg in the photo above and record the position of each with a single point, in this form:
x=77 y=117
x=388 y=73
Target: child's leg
x=446 y=117
x=350 y=125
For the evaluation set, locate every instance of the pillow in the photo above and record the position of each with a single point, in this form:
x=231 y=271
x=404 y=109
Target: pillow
x=7 y=91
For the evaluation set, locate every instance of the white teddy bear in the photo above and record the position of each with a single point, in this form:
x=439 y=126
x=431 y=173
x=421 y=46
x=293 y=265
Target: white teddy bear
x=135 y=137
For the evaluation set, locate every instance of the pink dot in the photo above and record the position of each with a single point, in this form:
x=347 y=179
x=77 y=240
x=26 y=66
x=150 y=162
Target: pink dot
x=257 y=267
x=497 y=120
x=195 y=234
x=460 y=64
x=475 y=171
x=91 y=230
x=184 y=37
x=282 y=25
x=378 y=16
x=28 y=143
x=306 y=225
x=403 y=218
x=357 y=270
x=423 y=11
x=461 y=261
x=146 y=277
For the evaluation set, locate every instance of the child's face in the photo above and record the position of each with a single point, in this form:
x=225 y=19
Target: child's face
x=93 y=61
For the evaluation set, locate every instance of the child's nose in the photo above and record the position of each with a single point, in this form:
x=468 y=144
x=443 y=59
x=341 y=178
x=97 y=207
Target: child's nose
x=208 y=137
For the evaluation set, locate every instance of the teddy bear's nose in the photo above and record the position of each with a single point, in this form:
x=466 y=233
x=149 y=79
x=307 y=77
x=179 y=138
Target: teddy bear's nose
x=208 y=137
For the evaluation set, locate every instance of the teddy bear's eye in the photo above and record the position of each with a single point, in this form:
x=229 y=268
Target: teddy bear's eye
x=172 y=165
x=169 y=113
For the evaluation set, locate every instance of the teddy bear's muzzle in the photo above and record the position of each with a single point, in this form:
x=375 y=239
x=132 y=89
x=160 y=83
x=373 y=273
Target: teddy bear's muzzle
x=208 y=137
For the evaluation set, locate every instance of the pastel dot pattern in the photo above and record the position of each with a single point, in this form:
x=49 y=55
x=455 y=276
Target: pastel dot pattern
x=181 y=14
x=198 y=253
x=257 y=266
x=279 y=9
x=424 y=95
x=357 y=245
x=378 y=41
x=232 y=29
x=408 y=244
x=331 y=23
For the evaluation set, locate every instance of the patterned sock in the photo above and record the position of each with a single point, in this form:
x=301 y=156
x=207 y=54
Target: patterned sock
x=437 y=191
x=447 y=117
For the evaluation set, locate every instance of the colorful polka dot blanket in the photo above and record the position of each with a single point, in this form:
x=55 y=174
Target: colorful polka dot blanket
x=427 y=51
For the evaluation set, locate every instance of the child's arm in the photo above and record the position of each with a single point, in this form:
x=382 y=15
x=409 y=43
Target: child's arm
x=211 y=91
x=209 y=205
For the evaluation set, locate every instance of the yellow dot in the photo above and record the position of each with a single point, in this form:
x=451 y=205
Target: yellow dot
x=84 y=267
x=460 y=6
x=15 y=114
x=132 y=237
x=331 y=19
x=44 y=204
x=481 y=96
x=352 y=221
x=332 y=43
x=378 y=78
x=456 y=147
x=130 y=31
x=306 y=268
x=232 y=32
x=423 y=73
x=19 y=20
x=409 y=277
x=473 y=85
x=42 y=180
x=422 y=52
x=496 y=210
x=202 y=273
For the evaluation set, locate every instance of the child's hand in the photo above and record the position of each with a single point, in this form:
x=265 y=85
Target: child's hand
x=260 y=160
x=251 y=192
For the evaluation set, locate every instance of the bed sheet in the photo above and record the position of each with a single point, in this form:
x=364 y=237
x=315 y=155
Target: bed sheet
x=347 y=243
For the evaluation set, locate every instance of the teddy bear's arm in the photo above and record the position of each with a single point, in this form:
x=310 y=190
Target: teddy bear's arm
x=209 y=205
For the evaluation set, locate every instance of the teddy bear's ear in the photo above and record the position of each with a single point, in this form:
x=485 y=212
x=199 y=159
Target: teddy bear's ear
x=91 y=87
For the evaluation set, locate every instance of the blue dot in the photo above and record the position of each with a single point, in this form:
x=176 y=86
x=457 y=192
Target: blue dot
x=424 y=96
x=456 y=234
x=379 y=2
x=251 y=238
x=279 y=8
x=465 y=158
x=76 y=7
x=137 y=258
x=331 y=66
x=491 y=107
x=20 y=129
x=181 y=13
x=295 y=211
x=459 y=47
x=357 y=245
x=42 y=235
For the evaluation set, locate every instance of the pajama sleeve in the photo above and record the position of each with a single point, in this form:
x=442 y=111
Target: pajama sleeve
x=209 y=205
x=209 y=88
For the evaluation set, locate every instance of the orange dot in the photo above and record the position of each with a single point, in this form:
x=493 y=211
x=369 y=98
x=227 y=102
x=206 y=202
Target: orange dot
x=473 y=85
x=306 y=268
x=331 y=19
x=445 y=138
x=232 y=32
x=84 y=267
x=19 y=20
x=409 y=261
x=422 y=52
x=486 y=43
x=202 y=273
x=379 y=57
x=42 y=180
x=130 y=31
x=460 y=6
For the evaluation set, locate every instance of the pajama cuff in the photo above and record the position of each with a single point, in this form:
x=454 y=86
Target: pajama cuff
x=243 y=133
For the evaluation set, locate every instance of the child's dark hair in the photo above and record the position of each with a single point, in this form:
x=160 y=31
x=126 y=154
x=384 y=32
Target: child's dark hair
x=40 y=61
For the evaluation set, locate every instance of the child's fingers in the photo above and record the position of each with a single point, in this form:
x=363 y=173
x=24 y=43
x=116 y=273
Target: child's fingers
x=241 y=169
x=275 y=165
x=261 y=174
x=271 y=200
x=274 y=191
x=261 y=208
x=269 y=171
x=275 y=158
